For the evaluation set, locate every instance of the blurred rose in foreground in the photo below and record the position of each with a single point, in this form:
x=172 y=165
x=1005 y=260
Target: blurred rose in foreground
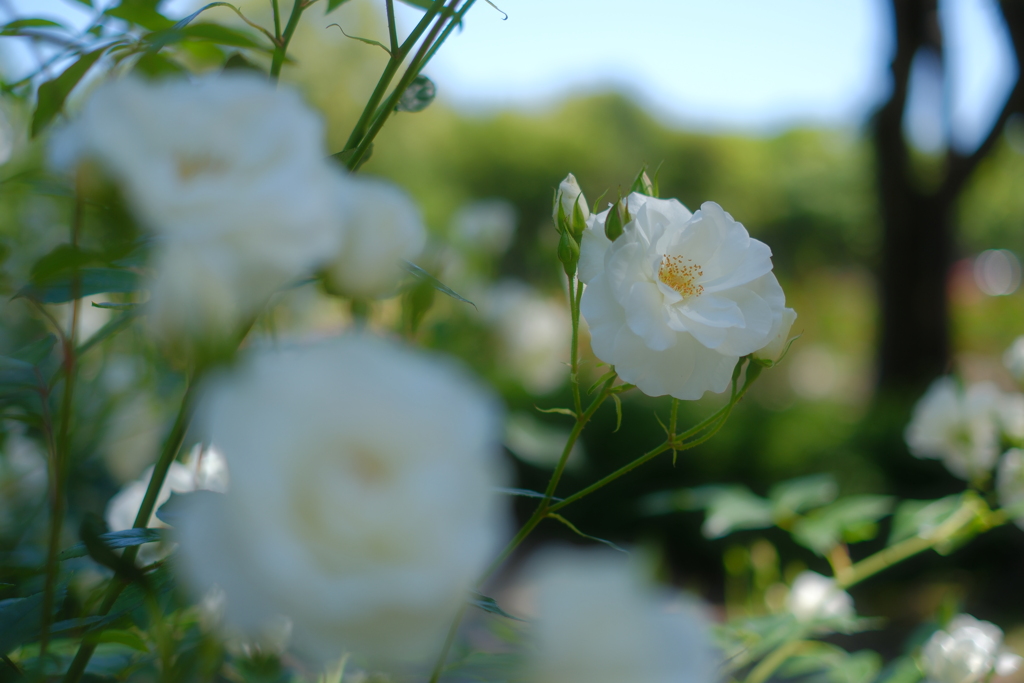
x=362 y=502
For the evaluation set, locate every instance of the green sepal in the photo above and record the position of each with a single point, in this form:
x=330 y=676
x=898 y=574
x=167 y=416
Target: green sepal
x=579 y=223
x=568 y=253
x=613 y=224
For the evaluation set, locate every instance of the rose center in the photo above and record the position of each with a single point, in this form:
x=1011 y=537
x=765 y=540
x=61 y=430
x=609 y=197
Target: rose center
x=680 y=274
x=189 y=167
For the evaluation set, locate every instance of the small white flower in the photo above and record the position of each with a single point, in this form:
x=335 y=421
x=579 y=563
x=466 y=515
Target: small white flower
x=569 y=196
x=598 y=622
x=678 y=297
x=814 y=597
x=362 y=502
x=382 y=228
x=967 y=651
x=960 y=428
x=1010 y=482
x=203 y=469
x=1013 y=359
x=230 y=174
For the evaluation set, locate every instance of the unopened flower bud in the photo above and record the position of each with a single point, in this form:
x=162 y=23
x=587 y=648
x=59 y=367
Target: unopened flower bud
x=643 y=185
x=613 y=224
x=568 y=253
x=569 y=196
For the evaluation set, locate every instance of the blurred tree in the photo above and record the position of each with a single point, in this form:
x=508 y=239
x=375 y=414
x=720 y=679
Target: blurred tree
x=918 y=205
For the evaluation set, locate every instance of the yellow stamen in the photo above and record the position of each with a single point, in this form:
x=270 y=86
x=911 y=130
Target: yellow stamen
x=679 y=274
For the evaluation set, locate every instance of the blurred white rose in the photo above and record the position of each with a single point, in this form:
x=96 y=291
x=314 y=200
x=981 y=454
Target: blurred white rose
x=598 y=622
x=961 y=428
x=485 y=226
x=230 y=173
x=382 y=228
x=535 y=333
x=570 y=195
x=967 y=651
x=1013 y=359
x=203 y=469
x=678 y=297
x=814 y=597
x=1010 y=483
x=362 y=502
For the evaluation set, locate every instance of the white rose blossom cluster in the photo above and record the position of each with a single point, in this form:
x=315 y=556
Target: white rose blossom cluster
x=230 y=176
x=363 y=499
x=968 y=650
x=597 y=621
x=965 y=428
x=676 y=298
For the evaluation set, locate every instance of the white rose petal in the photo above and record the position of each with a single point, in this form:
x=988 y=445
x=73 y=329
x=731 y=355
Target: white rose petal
x=1010 y=483
x=383 y=227
x=597 y=622
x=780 y=336
x=362 y=501
x=814 y=597
x=231 y=175
x=678 y=298
x=967 y=651
x=960 y=428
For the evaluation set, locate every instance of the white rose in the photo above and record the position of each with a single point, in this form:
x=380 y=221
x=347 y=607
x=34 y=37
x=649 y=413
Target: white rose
x=570 y=195
x=967 y=651
x=383 y=227
x=1013 y=359
x=960 y=428
x=203 y=469
x=229 y=170
x=678 y=297
x=814 y=597
x=598 y=622
x=362 y=502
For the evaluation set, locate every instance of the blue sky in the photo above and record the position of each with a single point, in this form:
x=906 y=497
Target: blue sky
x=748 y=65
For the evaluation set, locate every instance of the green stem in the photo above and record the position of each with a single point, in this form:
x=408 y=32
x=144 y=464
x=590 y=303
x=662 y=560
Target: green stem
x=61 y=451
x=575 y=292
x=170 y=450
x=277 y=19
x=772 y=662
x=397 y=57
x=892 y=555
x=456 y=20
x=384 y=112
x=392 y=27
x=281 y=50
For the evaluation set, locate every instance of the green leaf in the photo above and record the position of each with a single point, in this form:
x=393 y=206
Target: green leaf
x=901 y=670
x=418 y=95
x=222 y=35
x=743 y=641
x=51 y=96
x=728 y=508
x=17 y=377
x=489 y=605
x=90 y=281
x=423 y=275
x=849 y=520
x=63 y=259
x=156 y=65
x=19 y=621
x=122 y=637
x=826 y=663
x=92 y=532
x=333 y=5
x=422 y=4
x=37 y=351
x=799 y=495
x=141 y=13
x=525 y=493
x=114 y=540
x=188 y=20
x=920 y=517
x=13 y=28
x=237 y=62
x=110 y=329
x=560 y=411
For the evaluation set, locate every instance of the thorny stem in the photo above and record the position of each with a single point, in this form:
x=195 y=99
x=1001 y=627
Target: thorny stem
x=281 y=49
x=61 y=452
x=384 y=111
x=170 y=450
x=397 y=57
